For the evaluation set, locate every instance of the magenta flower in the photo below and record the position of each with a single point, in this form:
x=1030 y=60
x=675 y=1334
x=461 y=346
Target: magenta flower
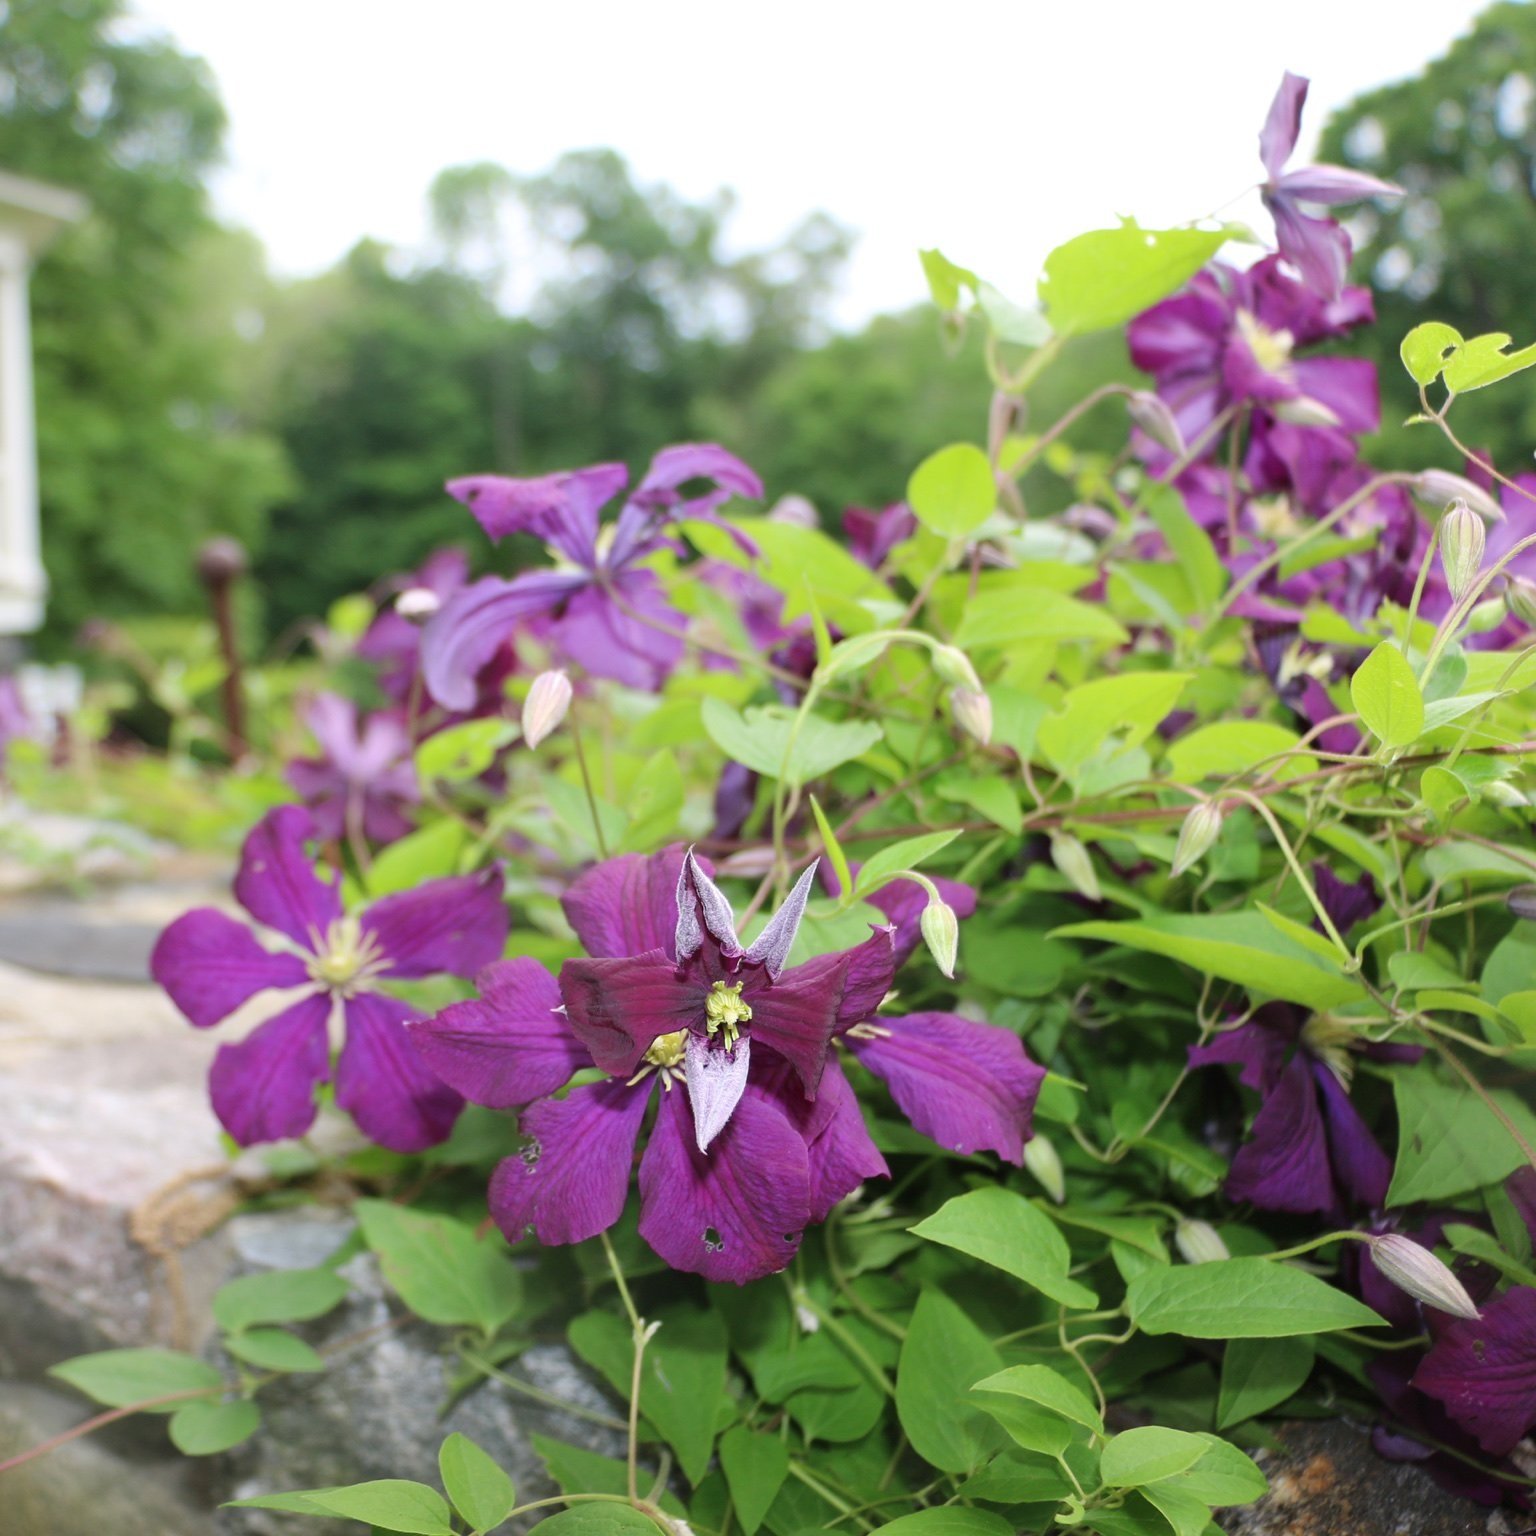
x=1318 y=248
x=1483 y=1370
x=871 y=536
x=726 y=1181
x=393 y=640
x=608 y=612
x=365 y=777
x=263 y=1089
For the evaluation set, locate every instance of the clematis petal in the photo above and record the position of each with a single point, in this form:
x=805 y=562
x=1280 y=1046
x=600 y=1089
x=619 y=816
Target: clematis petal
x=210 y=964
x=626 y=631
x=1259 y=1050
x=1284 y=1164
x=735 y=1214
x=1359 y=1164
x=771 y=947
x=277 y=883
x=839 y=1150
x=627 y=905
x=570 y=1182
x=618 y=1007
x=859 y=977
x=561 y=509
x=702 y=908
x=1346 y=385
x=1484 y=1371
x=681 y=462
x=1331 y=184
x=510 y=1045
x=263 y=1089
x=969 y=1087
x=465 y=634
x=1319 y=249
x=1346 y=902
x=1277 y=138
x=383 y=1083
x=457 y=924
x=716 y=1080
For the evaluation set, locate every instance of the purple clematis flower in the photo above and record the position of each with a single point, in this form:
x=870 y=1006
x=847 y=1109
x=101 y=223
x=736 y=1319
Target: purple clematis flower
x=1319 y=249
x=365 y=777
x=393 y=640
x=871 y=536
x=606 y=612
x=263 y=1089
x=725 y=1189
x=1483 y=1369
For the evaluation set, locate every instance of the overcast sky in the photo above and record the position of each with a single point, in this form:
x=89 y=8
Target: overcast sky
x=992 y=130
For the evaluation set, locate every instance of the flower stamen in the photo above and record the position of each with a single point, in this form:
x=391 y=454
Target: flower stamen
x=725 y=1012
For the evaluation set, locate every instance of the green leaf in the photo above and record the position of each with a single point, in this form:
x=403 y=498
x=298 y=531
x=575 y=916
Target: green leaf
x=1013 y=1479
x=909 y=853
x=1148 y=1455
x=1128 y=708
x=1187 y=1515
x=576 y=1470
x=1017 y=615
x=481 y=1492
x=391 y=1504
x=1449 y=1141
x=1482 y=361
x=943 y=1353
x=599 y=1520
x=1223 y=1476
x=1241 y=947
x=764 y=739
x=1012 y=322
x=1103 y=278
x=283 y=1296
x=953 y=491
x=1386 y=696
x=990 y=794
x=1425 y=348
x=1260 y=1374
x=1050 y=1389
x=205 y=1429
x=1234 y=746
x=1003 y=1229
x=1190 y=545
x=834 y=853
x=654 y=803
x=441 y=1270
x=1247 y=1298
x=954 y=1520
x=274 y=1350
x=120 y=1377
x=429 y=854
x=462 y=752
x=755 y=1468
x=945 y=279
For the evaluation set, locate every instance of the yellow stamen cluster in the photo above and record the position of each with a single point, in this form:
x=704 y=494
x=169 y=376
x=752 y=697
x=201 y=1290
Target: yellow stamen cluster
x=346 y=959
x=1271 y=349
x=668 y=1050
x=725 y=1012
x=1330 y=1040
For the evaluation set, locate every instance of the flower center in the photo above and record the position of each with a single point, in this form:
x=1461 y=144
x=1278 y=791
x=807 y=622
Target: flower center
x=725 y=1012
x=668 y=1050
x=1329 y=1041
x=346 y=959
x=1271 y=349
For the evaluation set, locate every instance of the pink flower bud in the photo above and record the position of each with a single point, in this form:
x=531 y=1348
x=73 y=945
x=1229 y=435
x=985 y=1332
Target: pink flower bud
x=1151 y=413
x=1413 y=1269
x=954 y=667
x=1438 y=487
x=545 y=707
x=417 y=603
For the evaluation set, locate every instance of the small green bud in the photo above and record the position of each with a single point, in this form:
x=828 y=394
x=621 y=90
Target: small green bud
x=1520 y=599
x=954 y=667
x=545 y=707
x=1199 y=1242
x=1073 y=860
x=1487 y=615
x=1150 y=412
x=1043 y=1160
x=1197 y=836
x=940 y=928
x=1413 y=1269
x=972 y=710
x=1463 y=539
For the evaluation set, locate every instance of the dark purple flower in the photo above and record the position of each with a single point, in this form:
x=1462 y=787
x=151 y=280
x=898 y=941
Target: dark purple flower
x=1483 y=1370
x=364 y=778
x=1308 y=1149
x=393 y=639
x=1345 y=902
x=871 y=536
x=606 y=611
x=1318 y=248
x=263 y=1089
x=726 y=1181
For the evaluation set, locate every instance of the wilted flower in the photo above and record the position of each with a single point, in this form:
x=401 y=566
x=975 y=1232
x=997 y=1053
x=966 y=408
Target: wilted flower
x=549 y=698
x=1414 y=1269
x=1197 y=836
x=1199 y=1242
x=263 y=1089
x=1463 y=540
x=606 y=611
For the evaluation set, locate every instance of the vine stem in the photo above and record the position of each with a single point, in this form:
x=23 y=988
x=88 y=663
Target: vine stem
x=100 y=1421
x=643 y=1333
x=586 y=784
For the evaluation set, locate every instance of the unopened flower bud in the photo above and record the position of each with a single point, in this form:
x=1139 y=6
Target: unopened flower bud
x=1487 y=615
x=1044 y=1162
x=1199 y=1242
x=1304 y=411
x=1520 y=599
x=972 y=710
x=794 y=510
x=1437 y=487
x=1502 y=793
x=1197 y=836
x=940 y=928
x=1151 y=413
x=545 y=707
x=1413 y=1269
x=1072 y=859
x=417 y=603
x=954 y=667
x=1463 y=538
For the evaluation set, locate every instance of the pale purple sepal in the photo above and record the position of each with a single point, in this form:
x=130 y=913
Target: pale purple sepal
x=699 y=897
x=717 y=1078
x=772 y=946
x=1333 y=184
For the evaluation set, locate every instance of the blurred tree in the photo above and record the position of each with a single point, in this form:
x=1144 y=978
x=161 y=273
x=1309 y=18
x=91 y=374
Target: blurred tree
x=1460 y=138
x=140 y=316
